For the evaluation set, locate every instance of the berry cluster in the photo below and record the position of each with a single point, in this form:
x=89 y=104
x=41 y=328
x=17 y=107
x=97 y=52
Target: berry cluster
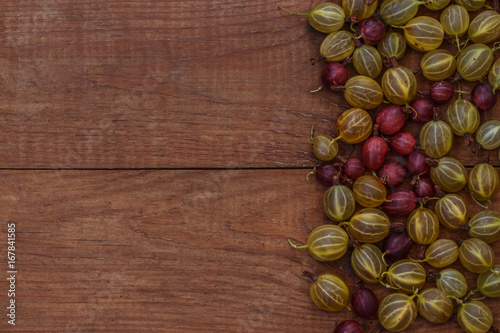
x=398 y=175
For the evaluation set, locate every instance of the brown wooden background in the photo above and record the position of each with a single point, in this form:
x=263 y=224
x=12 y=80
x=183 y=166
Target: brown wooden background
x=153 y=156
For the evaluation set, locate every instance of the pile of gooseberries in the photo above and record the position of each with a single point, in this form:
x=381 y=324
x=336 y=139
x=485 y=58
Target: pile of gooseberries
x=400 y=207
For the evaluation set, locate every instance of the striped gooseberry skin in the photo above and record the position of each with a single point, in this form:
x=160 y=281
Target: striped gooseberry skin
x=354 y=125
x=337 y=46
x=373 y=152
x=326 y=172
x=398 y=12
x=397 y=311
x=474 y=317
x=438 y=65
x=397 y=245
x=371 y=30
x=455 y=20
x=358 y=8
x=488 y=135
x=476 y=256
x=436 y=138
x=367 y=263
x=324 y=147
x=400 y=203
x=349 y=326
x=393 y=45
x=329 y=292
x=363 y=92
x=482 y=96
x=424 y=33
x=485 y=225
x=367 y=61
x=488 y=283
x=333 y=75
x=483 y=182
x=416 y=163
x=406 y=276
x=369 y=191
x=403 y=143
x=485 y=27
x=452 y=283
x=369 y=225
x=354 y=168
x=423 y=110
x=399 y=85
x=437 y=5
x=452 y=211
x=364 y=303
x=494 y=75
x=423 y=226
x=441 y=92
x=339 y=203
x=449 y=174
x=474 y=62
x=463 y=117
x=391 y=118
x=434 y=306
x=471 y=5
x=424 y=188
x=441 y=253
x=395 y=173
x=326 y=243
x=326 y=17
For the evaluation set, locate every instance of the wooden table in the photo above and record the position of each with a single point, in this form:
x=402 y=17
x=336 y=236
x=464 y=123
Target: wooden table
x=153 y=160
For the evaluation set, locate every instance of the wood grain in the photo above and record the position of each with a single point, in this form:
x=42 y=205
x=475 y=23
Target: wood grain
x=164 y=84
x=171 y=85
x=170 y=251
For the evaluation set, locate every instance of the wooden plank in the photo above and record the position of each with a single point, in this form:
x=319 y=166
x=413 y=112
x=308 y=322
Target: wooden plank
x=163 y=84
x=169 y=251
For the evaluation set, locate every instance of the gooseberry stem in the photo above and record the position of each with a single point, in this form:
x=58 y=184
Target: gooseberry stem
x=464 y=227
x=297 y=247
x=458 y=300
x=433 y=276
x=383 y=258
x=385 y=284
x=311 y=173
x=347 y=61
x=415 y=260
x=458 y=43
x=465 y=42
x=470 y=293
x=496 y=273
x=477 y=298
x=439 y=192
x=469 y=140
x=408 y=109
x=316 y=90
x=294 y=13
x=432 y=162
x=485 y=207
x=436 y=113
